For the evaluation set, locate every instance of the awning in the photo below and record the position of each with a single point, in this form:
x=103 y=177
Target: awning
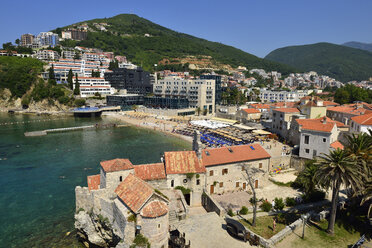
x=262 y=132
x=231 y=122
x=243 y=127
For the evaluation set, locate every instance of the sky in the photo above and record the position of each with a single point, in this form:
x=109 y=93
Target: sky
x=254 y=26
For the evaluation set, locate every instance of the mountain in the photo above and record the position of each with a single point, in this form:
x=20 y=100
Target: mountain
x=146 y=43
x=359 y=45
x=340 y=62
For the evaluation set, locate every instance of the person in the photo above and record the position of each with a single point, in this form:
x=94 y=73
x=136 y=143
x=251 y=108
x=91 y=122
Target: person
x=274 y=225
x=273 y=204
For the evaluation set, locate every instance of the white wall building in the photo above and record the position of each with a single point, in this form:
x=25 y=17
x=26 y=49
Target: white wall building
x=282 y=96
x=89 y=86
x=361 y=123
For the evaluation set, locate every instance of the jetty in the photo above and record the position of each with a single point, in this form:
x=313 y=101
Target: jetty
x=66 y=129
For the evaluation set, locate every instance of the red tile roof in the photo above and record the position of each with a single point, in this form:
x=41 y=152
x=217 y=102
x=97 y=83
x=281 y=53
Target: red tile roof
x=134 y=192
x=117 y=164
x=285 y=104
x=182 y=162
x=287 y=110
x=260 y=106
x=363 y=119
x=317 y=124
x=336 y=145
x=350 y=110
x=251 y=111
x=93 y=182
x=150 y=171
x=241 y=153
x=154 y=209
x=330 y=103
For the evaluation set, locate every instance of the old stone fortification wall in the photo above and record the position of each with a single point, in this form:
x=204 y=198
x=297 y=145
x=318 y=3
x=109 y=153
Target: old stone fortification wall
x=283 y=161
x=297 y=163
x=212 y=205
x=156 y=230
x=84 y=199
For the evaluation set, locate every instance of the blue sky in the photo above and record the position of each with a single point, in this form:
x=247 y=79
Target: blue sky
x=255 y=26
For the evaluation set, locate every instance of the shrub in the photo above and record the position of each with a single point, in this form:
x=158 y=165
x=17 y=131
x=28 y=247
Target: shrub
x=63 y=100
x=132 y=218
x=79 y=102
x=243 y=210
x=290 y=201
x=25 y=102
x=279 y=203
x=190 y=175
x=184 y=190
x=197 y=175
x=140 y=241
x=230 y=212
x=280 y=218
x=79 y=210
x=266 y=206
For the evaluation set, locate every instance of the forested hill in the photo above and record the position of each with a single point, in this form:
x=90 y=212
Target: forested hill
x=359 y=45
x=340 y=62
x=147 y=43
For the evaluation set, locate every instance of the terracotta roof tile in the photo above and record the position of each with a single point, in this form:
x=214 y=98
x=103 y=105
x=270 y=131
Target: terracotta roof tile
x=337 y=144
x=93 y=182
x=117 y=164
x=134 y=192
x=287 y=110
x=330 y=103
x=349 y=110
x=154 y=209
x=317 y=124
x=260 y=106
x=150 y=171
x=241 y=153
x=363 y=119
x=251 y=111
x=182 y=162
x=285 y=104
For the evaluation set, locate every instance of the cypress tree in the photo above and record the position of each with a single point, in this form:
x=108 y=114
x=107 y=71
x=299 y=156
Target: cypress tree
x=77 y=85
x=52 y=76
x=70 y=79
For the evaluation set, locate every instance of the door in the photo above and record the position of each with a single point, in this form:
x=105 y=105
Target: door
x=244 y=185
x=212 y=189
x=256 y=184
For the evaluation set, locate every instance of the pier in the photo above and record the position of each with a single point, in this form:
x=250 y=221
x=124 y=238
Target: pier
x=67 y=129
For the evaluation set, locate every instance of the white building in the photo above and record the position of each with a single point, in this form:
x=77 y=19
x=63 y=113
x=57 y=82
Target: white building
x=282 y=96
x=199 y=92
x=47 y=55
x=89 y=86
x=361 y=123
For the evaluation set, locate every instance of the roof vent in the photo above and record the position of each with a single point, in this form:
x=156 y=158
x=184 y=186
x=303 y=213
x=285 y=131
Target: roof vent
x=252 y=148
x=207 y=153
x=230 y=150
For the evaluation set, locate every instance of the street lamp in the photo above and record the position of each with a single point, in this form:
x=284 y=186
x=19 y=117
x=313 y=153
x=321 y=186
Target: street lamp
x=304 y=218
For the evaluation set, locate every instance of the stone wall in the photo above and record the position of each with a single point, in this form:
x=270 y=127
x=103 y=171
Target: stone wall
x=158 y=184
x=113 y=178
x=297 y=163
x=156 y=230
x=84 y=198
x=283 y=161
x=124 y=229
x=211 y=205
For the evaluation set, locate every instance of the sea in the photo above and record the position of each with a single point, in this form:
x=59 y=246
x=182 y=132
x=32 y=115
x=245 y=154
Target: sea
x=38 y=175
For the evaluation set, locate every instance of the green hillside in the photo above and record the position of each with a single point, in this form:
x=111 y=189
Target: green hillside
x=126 y=36
x=359 y=45
x=340 y=62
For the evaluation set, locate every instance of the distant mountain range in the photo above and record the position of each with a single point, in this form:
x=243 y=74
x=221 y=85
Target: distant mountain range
x=146 y=43
x=340 y=62
x=359 y=45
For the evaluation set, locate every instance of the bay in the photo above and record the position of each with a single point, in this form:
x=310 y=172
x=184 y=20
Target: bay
x=38 y=175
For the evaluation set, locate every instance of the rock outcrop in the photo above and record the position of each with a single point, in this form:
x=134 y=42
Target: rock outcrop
x=95 y=229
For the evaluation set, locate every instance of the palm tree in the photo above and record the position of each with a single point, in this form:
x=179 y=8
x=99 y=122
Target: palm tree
x=307 y=177
x=335 y=169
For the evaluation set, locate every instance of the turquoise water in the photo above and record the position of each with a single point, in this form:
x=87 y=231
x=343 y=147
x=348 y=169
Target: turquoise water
x=38 y=175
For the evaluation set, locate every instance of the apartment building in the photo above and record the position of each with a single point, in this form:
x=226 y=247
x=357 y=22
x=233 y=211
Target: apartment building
x=27 y=39
x=90 y=86
x=47 y=55
x=47 y=39
x=282 y=96
x=199 y=92
x=361 y=123
x=346 y=112
x=282 y=118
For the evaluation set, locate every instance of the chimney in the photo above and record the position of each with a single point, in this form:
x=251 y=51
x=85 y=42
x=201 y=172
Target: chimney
x=197 y=145
x=324 y=121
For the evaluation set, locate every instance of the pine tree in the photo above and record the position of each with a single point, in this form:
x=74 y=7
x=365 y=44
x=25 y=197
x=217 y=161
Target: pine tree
x=77 y=85
x=52 y=76
x=70 y=79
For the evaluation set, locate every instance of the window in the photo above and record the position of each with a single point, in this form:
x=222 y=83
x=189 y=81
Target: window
x=324 y=140
x=307 y=139
x=237 y=184
x=221 y=184
x=210 y=173
x=314 y=153
x=158 y=225
x=197 y=181
x=172 y=183
x=307 y=150
x=120 y=178
x=225 y=171
x=260 y=165
x=185 y=180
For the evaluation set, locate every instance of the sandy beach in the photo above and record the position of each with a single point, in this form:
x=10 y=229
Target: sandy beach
x=149 y=122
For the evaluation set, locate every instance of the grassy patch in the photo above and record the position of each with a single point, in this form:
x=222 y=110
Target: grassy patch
x=288 y=184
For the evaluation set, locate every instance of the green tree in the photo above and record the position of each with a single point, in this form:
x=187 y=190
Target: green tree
x=70 y=79
x=77 y=85
x=307 y=178
x=77 y=55
x=335 y=169
x=17 y=41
